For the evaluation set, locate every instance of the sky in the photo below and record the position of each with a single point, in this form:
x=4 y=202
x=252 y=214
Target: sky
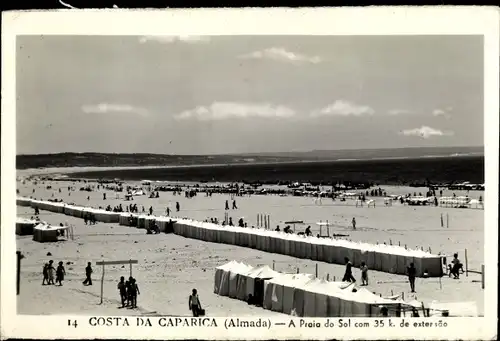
x=247 y=94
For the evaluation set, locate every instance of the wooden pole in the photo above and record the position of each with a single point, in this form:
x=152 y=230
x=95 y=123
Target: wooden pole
x=316 y=270
x=257 y=220
x=482 y=276
x=440 y=285
x=328 y=277
x=320 y=230
x=130 y=268
x=447 y=221
x=18 y=277
x=102 y=283
x=273 y=265
x=466 y=264
x=442 y=223
x=298 y=270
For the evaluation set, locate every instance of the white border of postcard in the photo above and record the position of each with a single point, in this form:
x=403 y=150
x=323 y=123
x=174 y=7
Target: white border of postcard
x=325 y=21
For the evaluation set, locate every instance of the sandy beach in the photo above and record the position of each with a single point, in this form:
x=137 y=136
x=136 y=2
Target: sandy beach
x=170 y=266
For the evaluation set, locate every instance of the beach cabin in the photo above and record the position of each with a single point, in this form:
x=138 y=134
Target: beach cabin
x=25 y=227
x=44 y=233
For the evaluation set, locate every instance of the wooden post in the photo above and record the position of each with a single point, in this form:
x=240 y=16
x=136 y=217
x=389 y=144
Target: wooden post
x=403 y=295
x=316 y=270
x=269 y=221
x=273 y=265
x=130 y=268
x=440 y=285
x=466 y=264
x=257 y=220
x=320 y=230
x=328 y=277
x=18 y=276
x=447 y=221
x=102 y=283
x=442 y=223
x=482 y=276
x=298 y=270
x=328 y=230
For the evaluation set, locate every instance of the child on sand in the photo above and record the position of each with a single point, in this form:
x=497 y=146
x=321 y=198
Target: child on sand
x=364 y=274
x=194 y=303
x=123 y=291
x=45 y=273
x=50 y=270
x=60 y=272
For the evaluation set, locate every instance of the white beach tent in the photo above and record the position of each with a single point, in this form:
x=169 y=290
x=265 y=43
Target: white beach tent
x=236 y=273
x=221 y=285
x=279 y=291
x=246 y=285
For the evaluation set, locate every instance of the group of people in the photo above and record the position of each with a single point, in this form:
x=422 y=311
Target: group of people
x=348 y=277
x=234 y=205
x=128 y=292
x=48 y=273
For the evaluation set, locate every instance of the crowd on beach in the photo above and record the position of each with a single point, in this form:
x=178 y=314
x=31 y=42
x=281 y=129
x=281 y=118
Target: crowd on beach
x=129 y=289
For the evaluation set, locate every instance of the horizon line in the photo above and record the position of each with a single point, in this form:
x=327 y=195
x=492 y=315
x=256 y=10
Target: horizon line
x=251 y=153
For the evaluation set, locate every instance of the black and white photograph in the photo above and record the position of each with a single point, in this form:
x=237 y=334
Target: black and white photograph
x=234 y=181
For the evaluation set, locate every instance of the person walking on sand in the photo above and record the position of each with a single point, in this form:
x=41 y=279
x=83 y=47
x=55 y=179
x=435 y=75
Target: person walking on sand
x=194 y=303
x=168 y=211
x=123 y=290
x=45 y=273
x=134 y=291
x=353 y=223
x=227 y=205
x=177 y=206
x=412 y=273
x=348 y=277
x=234 y=205
x=364 y=274
x=88 y=273
x=50 y=270
x=60 y=272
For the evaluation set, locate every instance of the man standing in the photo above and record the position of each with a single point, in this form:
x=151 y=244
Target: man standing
x=88 y=273
x=348 y=277
x=412 y=273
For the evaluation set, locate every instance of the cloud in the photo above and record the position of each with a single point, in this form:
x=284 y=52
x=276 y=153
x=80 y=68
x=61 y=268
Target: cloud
x=282 y=55
x=227 y=110
x=425 y=132
x=174 y=39
x=344 y=108
x=444 y=113
x=396 y=112
x=107 y=108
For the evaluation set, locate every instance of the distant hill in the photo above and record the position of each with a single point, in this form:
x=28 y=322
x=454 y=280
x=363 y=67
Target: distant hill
x=131 y=160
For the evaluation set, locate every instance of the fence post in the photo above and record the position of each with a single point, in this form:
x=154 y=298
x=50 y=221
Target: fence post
x=273 y=265
x=466 y=264
x=316 y=270
x=482 y=276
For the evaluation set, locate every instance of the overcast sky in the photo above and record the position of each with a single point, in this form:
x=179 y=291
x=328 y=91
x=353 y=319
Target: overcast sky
x=200 y=95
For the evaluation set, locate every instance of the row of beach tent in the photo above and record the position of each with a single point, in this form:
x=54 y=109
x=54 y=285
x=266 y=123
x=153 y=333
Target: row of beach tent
x=300 y=295
x=386 y=258
x=303 y=295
